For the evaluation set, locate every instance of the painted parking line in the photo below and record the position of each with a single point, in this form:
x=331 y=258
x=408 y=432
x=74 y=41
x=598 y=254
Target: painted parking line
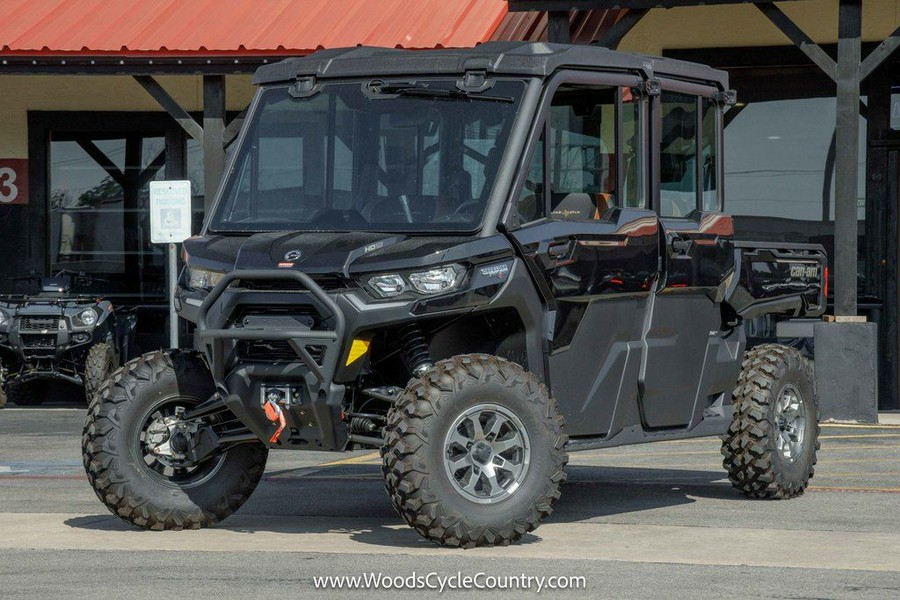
x=871 y=490
x=859 y=426
x=372 y=457
x=860 y=436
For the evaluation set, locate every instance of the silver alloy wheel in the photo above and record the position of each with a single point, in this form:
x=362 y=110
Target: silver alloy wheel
x=790 y=417
x=487 y=453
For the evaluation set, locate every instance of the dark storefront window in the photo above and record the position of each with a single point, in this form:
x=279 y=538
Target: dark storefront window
x=780 y=171
x=98 y=211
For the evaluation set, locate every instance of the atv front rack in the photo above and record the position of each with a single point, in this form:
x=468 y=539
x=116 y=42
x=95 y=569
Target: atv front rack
x=299 y=339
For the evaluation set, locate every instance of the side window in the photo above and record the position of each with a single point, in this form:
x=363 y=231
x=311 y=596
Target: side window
x=632 y=151
x=594 y=159
x=531 y=199
x=583 y=159
x=678 y=155
x=710 y=155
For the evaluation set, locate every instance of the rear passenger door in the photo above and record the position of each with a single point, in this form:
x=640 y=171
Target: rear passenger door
x=697 y=252
x=584 y=225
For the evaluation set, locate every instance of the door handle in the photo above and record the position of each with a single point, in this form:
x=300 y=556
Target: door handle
x=560 y=250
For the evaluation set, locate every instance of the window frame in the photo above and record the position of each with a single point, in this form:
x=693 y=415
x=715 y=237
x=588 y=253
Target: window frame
x=541 y=125
x=700 y=92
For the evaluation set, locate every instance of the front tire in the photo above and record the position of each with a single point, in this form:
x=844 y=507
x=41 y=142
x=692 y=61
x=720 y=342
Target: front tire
x=27 y=394
x=474 y=452
x=149 y=492
x=101 y=361
x=770 y=447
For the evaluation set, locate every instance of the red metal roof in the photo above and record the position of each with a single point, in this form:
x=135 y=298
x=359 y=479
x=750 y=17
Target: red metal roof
x=240 y=27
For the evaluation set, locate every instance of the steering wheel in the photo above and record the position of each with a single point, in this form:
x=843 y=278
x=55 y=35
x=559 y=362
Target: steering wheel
x=468 y=205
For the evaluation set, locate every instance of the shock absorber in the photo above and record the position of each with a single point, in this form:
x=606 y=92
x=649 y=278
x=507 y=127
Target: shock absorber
x=415 y=349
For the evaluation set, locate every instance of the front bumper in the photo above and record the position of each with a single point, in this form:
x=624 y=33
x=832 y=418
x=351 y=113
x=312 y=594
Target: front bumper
x=313 y=406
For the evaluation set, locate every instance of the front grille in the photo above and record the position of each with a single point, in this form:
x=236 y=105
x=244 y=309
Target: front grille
x=329 y=283
x=39 y=342
x=275 y=351
x=38 y=323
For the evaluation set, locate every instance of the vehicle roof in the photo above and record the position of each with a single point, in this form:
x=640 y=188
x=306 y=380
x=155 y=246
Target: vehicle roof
x=532 y=59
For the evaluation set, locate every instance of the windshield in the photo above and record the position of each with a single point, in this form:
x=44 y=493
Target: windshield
x=369 y=156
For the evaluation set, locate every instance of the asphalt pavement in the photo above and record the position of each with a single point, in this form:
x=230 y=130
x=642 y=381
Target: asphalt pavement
x=654 y=520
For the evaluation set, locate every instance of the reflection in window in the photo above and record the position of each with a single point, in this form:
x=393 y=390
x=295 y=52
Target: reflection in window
x=780 y=172
x=99 y=211
x=778 y=163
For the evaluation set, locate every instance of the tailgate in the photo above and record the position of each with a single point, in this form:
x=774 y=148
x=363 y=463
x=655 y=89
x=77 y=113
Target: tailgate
x=787 y=279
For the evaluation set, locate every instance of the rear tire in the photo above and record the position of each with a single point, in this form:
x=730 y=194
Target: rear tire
x=101 y=361
x=770 y=447
x=116 y=462
x=26 y=394
x=432 y=452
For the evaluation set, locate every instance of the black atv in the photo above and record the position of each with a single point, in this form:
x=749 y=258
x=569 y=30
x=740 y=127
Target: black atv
x=476 y=261
x=59 y=333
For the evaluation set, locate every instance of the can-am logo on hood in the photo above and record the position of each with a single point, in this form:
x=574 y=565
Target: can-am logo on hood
x=292 y=255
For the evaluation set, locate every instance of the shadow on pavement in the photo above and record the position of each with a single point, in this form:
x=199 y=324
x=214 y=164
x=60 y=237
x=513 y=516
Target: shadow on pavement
x=350 y=500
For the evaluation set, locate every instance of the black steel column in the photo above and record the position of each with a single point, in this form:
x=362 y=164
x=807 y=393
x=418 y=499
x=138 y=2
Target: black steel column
x=558 y=27
x=213 y=135
x=847 y=158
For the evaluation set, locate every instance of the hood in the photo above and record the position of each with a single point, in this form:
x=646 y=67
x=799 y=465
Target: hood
x=339 y=252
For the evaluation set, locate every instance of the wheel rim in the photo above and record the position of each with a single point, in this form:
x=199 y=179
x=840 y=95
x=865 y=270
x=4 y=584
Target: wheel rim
x=155 y=451
x=487 y=453
x=790 y=417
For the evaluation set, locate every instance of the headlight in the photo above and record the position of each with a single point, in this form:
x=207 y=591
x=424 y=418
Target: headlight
x=428 y=283
x=88 y=317
x=4 y=319
x=388 y=286
x=203 y=279
x=436 y=281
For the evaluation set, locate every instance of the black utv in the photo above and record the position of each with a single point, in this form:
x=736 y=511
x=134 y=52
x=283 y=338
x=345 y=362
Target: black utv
x=61 y=333
x=476 y=261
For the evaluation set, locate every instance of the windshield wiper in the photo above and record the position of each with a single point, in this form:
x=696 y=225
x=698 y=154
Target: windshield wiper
x=423 y=91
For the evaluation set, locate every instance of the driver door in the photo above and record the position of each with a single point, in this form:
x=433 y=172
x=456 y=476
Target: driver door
x=593 y=242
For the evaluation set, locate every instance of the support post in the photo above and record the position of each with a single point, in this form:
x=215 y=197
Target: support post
x=847 y=157
x=558 y=27
x=213 y=136
x=172 y=276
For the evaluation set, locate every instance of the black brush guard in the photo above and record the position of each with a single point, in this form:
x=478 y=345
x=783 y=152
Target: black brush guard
x=324 y=396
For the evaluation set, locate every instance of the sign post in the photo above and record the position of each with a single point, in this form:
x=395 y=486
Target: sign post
x=170 y=224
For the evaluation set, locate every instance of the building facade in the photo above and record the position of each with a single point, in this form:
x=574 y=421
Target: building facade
x=95 y=106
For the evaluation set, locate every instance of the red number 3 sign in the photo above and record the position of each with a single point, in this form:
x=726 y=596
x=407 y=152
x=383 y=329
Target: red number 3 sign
x=13 y=181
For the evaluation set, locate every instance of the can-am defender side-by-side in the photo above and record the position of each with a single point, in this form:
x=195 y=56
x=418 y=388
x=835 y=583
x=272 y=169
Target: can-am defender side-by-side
x=61 y=333
x=477 y=261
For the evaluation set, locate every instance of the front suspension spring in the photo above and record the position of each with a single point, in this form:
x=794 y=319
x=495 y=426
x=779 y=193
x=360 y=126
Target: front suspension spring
x=415 y=349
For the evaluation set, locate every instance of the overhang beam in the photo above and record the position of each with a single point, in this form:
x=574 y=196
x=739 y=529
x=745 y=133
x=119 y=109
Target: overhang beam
x=171 y=106
x=799 y=38
x=613 y=36
x=549 y=5
x=880 y=54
